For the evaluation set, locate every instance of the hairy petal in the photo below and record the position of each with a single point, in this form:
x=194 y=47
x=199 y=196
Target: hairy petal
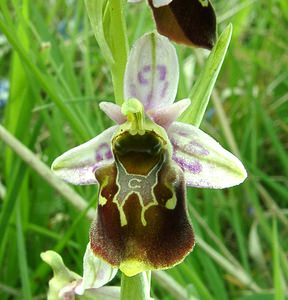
x=78 y=165
x=152 y=72
x=113 y=111
x=203 y=160
x=96 y=272
x=165 y=116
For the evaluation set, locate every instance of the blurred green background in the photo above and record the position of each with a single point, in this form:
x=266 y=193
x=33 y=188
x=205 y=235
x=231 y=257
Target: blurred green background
x=52 y=78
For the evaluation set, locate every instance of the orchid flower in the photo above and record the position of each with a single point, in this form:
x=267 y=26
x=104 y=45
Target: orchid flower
x=142 y=165
x=66 y=285
x=190 y=22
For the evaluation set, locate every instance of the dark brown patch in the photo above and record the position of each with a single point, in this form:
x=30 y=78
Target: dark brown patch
x=187 y=22
x=165 y=240
x=138 y=153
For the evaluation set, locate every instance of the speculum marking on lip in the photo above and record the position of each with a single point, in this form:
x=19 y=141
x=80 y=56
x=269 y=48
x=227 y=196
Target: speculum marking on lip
x=141 y=185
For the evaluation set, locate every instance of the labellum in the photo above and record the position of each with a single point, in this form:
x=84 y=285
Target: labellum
x=142 y=220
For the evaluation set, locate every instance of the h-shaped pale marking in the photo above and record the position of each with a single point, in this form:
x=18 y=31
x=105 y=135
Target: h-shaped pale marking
x=141 y=185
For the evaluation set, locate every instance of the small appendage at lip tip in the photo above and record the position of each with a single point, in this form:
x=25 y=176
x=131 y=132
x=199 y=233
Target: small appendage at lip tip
x=134 y=110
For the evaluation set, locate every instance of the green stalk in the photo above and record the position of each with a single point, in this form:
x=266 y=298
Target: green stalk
x=109 y=28
x=94 y=10
x=135 y=287
x=119 y=47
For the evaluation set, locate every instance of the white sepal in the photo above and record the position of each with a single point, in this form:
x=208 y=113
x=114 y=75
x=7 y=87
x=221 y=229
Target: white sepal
x=78 y=165
x=204 y=161
x=152 y=72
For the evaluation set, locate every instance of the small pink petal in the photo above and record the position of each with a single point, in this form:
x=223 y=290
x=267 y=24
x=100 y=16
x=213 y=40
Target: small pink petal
x=165 y=116
x=113 y=111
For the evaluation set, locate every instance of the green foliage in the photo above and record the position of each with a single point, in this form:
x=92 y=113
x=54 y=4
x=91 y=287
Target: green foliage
x=57 y=78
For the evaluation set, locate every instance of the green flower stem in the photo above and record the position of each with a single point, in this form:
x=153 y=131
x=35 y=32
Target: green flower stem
x=94 y=10
x=119 y=47
x=135 y=287
x=109 y=27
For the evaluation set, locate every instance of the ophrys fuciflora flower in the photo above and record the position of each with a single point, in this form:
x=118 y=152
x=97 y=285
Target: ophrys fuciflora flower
x=143 y=164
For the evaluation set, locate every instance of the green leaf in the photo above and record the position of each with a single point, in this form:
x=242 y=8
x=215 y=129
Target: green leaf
x=119 y=46
x=22 y=256
x=257 y=297
x=95 y=13
x=278 y=279
x=44 y=80
x=203 y=87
